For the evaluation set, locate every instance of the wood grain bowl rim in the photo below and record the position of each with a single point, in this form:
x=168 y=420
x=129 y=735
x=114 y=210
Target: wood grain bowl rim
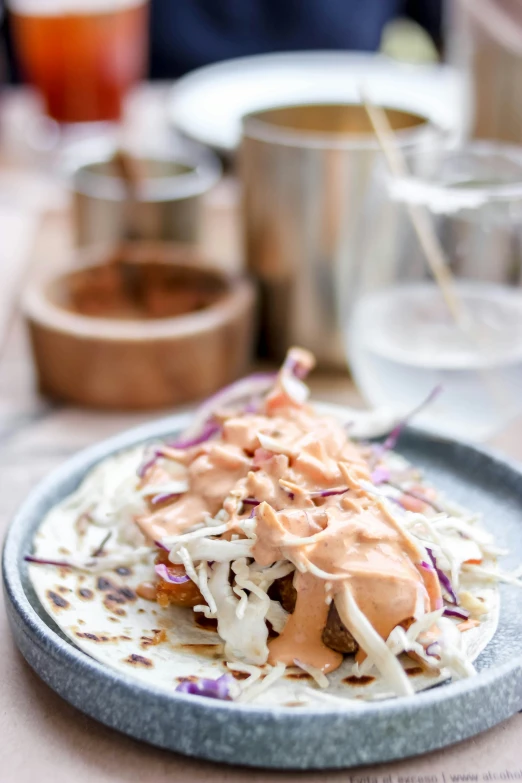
x=236 y=300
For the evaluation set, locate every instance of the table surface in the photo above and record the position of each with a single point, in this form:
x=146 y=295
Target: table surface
x=41 y=737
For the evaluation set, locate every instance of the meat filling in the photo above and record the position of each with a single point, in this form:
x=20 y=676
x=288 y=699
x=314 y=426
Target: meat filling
x=335 y=635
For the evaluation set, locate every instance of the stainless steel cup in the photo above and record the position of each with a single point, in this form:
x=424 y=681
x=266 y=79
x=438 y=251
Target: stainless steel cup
x=168 y=205
x=304 y=172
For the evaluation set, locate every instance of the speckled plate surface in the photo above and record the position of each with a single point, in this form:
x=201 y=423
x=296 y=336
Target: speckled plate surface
x=306 y=738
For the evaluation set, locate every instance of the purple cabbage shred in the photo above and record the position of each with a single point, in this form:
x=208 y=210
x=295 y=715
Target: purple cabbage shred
x=295 y=368
x=380 y=476
x=162 y=497
x=419 y=496
x=327 y=493
x=164 y=573
x=458 y=612
x=210 y=428
x=212 y=689
x=443 y=579
x=148 y=464
x=393 y=437
x=433 y=649
x=43 y=561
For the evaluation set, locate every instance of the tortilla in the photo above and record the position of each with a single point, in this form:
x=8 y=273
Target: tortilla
x=102 y=614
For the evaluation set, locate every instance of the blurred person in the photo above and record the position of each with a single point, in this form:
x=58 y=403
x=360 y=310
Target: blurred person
x=3 y=54
x=186 y=34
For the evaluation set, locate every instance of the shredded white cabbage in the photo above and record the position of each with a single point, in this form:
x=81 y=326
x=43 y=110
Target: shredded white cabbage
x=274 y=445
x=370 y=641
x=189 y=565
x=202 y=531
x=320 y=678
x=452 y=656
x=170 y=487
x=276 y=616
x=296 y=389
x=245 y=638
x=492 y=575
x=214 y=550
x=254 y=671
x=203 y=587
x=275 y=673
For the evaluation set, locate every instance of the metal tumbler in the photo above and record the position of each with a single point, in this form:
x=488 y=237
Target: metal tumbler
x=169 y=201
x=304 y=173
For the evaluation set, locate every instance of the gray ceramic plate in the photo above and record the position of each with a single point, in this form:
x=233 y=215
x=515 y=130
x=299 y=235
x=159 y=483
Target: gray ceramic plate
x=282 y=737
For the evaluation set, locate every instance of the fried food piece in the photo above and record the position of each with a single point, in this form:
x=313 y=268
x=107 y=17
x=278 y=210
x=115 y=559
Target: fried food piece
x=286 y=592
x=184 y=594
x=335 y=635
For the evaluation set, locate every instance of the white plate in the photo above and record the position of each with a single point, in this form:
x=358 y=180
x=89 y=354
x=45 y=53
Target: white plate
x=207 y=104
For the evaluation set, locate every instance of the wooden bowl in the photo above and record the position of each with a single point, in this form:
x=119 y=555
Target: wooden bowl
x=147 y=327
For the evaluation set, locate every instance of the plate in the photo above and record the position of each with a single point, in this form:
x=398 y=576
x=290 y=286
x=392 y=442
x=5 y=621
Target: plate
x=207 y=105
x=281 y=737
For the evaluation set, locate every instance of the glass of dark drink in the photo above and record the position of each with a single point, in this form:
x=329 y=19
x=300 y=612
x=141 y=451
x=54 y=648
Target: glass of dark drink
x=82 y=55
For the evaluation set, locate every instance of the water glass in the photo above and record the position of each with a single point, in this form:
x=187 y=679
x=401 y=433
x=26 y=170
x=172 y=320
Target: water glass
x=401 y=337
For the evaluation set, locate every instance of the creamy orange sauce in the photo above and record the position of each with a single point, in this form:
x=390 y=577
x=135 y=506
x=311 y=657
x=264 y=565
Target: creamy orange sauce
x=282 y=458
x=362 y=544
x=301 y=637
x=156 y=475
x=189 y=510
x=214 y=474
x=236 y=462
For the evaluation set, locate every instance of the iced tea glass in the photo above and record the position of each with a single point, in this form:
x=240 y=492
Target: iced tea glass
x=82 y=55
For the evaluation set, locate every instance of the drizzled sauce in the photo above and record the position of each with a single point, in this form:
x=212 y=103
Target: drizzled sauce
x=288 y=460
x=301 y=637
x=362 y=543
x=211 y=476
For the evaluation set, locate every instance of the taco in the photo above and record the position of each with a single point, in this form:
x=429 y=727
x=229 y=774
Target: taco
x=265 y=556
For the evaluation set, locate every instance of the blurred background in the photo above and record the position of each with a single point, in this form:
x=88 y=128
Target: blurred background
x=188 y=188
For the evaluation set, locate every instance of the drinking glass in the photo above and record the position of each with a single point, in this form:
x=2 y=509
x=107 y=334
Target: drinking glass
x=401 y=337
x=82 y=55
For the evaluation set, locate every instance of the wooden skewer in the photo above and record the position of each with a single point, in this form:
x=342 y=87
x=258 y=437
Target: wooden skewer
x=423 y=226
x=432 y=248
x=131 y=172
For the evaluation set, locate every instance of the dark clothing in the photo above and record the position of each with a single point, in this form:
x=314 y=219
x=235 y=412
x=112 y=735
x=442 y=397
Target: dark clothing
x=186 y=34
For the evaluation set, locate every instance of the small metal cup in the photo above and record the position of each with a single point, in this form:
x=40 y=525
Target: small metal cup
x=168 y=204
x=305 y=171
